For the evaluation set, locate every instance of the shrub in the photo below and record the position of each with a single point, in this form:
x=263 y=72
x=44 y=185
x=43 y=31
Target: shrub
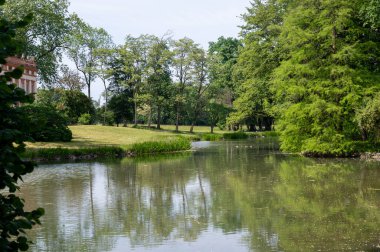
x=84 y=119
x=44 y=124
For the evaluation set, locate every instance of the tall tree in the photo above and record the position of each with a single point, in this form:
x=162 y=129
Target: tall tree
x=199 y=85
x=183 y=50
x=83 y=41
x=104 y=56
x=331 y=66
x=159 y=80
x=258 y=57
x=44 y=38
x=223 y=56
x=134 y=54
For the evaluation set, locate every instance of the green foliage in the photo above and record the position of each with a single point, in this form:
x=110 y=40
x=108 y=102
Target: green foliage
x=44 y=124
x=235 y=135
x=368 y=119
x=83 y=153
x=107 y=118
x=173 y=145
x=84 y=119
x=84 y=42
x=121 y=107
x=70 y=103
x=211 y=137
x=255 y=64
x=45 y=35
x=14 y=220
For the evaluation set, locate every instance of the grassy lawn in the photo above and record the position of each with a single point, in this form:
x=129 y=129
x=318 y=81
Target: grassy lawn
x=96 y=135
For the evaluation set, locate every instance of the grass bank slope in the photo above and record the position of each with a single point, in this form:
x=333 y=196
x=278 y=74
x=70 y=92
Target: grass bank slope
x=95 y=135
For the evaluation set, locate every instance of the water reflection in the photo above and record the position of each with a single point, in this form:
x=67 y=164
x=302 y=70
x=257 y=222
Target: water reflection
x=233 y=196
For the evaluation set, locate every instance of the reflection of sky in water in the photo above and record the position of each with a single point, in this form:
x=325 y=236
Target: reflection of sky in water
x=225 y=196
x=211 y=240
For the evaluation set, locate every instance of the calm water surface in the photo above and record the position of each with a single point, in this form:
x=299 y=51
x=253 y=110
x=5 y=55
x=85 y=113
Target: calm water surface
x=225 y=196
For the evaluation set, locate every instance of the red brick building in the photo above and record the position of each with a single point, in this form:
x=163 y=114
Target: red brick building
x=28 y=81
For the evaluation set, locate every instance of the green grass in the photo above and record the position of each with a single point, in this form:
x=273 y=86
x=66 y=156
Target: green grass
x=177 y=144
x=211 y=137
x=95 y=135
x=235 y=135
x=58 y=154
x=93 y=141
x=90 y=141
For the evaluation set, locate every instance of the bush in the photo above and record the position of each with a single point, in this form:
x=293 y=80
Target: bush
x=84 y=119
x=44 y=124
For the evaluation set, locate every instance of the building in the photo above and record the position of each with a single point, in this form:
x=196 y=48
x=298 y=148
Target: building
x=28 y=81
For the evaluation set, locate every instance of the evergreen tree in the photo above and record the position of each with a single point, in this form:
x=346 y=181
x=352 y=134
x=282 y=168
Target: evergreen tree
x=332 y=64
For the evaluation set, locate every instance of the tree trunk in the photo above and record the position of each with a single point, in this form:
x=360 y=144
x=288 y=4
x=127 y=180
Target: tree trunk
x=135 y=119
x=212 y=129
x=192 y=127
x=89 y=90
x=177 y=121
x=105 y=105
x=150 y=118
x=158 y=117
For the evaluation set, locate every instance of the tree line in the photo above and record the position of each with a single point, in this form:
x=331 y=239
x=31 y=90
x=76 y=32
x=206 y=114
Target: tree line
x=308 y=69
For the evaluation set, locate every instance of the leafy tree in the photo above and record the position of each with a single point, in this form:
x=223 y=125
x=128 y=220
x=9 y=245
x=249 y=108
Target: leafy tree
x=159 y=80
x=44 y=124
x=134 y=54
x=331 y=65
x=196 y=100
x=14 y=220
x=83 y=42
x=223 y=56
x=183 y=51
x=44 y=37
x=71 y=103
x=121 y=107
x=257 y=59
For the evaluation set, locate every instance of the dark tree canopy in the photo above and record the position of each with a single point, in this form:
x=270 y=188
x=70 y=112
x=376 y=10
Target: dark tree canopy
x=14 y=220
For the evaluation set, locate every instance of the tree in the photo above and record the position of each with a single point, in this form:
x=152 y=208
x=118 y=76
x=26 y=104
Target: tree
x=104 y=57
x=44 y=38
x=134 y=54
x=223 y=56
x=183 y=50
x=159 y=80
x=70 y=80
x=331 y=65
x=84 y=40
x=196 y=99
x=70 y=103
x=258 y=57
x=14 y=220
x=121 y=107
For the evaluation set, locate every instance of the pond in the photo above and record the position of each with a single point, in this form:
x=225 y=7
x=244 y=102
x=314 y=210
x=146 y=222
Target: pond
x=223 y=196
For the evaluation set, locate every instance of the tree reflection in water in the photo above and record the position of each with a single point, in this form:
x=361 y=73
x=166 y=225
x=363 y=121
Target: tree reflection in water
x=258 y=198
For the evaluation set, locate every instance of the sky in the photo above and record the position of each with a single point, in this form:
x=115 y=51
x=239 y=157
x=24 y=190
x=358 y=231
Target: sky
x=201 y=20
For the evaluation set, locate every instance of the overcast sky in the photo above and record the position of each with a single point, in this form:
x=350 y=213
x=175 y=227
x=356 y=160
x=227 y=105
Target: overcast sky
x=201 y=20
